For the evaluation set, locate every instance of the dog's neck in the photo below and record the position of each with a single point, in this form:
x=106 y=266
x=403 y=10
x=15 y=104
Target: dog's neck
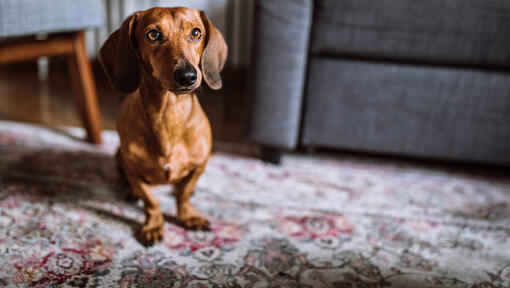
x=160 y=99
x=167 y=113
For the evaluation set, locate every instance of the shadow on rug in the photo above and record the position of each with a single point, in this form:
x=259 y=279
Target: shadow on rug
x=312 y=222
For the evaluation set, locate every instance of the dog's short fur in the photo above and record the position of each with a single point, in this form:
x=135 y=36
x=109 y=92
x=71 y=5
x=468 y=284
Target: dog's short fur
x=165 y=136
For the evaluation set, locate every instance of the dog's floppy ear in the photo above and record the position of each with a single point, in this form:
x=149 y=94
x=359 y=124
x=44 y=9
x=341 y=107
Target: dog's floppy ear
x=214 y=54
x=119 y=58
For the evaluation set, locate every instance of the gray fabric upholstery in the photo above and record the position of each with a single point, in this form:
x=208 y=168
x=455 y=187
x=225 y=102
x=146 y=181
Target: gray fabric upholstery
x=420 y=78
x=422 y=111
x=25 y=17
x=474 y=32
x=279 y=66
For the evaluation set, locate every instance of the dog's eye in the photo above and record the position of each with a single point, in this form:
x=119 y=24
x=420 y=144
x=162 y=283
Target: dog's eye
x=195 y=35
x=153 y=35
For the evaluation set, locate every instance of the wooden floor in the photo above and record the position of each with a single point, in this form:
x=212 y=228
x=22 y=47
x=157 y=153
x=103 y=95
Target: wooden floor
x=24 y=98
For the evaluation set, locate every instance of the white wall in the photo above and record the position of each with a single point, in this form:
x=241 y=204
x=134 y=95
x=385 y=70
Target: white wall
x=232 y=17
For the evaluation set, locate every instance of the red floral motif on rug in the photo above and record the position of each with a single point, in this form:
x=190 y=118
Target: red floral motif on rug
x=311 y=222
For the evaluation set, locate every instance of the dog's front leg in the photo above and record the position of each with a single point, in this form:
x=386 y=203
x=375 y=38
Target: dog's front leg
x=152 y=230
x=189 y=218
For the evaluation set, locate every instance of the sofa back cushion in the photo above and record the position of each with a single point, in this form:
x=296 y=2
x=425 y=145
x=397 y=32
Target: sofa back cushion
x=470 y=32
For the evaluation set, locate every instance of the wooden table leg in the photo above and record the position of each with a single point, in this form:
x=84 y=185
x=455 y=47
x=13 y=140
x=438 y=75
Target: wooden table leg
x=84 y=88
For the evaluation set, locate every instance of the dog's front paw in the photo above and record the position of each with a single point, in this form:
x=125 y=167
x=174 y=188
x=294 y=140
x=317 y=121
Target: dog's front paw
x=197 y=223
x=152 y=231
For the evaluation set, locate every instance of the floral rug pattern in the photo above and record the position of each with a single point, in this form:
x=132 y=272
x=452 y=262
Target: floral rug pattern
x=311 y=222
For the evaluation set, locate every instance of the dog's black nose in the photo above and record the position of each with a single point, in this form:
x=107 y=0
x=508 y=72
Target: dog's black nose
x=186 y=76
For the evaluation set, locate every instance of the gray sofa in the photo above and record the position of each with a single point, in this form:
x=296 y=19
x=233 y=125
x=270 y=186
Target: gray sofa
x=408 y=77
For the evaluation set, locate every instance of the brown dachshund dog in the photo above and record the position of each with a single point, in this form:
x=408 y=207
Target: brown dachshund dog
x=161 y=55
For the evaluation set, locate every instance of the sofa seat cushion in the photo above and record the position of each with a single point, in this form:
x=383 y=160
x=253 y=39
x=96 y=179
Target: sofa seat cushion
x=26 y=17
x=432 y=112
x=471 y=32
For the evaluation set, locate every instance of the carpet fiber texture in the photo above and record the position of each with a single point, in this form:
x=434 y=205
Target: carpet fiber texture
x=311 y=222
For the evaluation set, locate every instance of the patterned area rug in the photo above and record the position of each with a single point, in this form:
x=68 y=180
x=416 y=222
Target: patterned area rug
x=311 y=222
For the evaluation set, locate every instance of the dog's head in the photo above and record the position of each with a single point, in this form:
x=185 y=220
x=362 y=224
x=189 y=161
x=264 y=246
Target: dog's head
x=175 y=47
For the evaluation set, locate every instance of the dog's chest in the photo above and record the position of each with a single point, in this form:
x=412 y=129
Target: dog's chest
x=177 y=164
x=167 y=146
x=182 y=159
